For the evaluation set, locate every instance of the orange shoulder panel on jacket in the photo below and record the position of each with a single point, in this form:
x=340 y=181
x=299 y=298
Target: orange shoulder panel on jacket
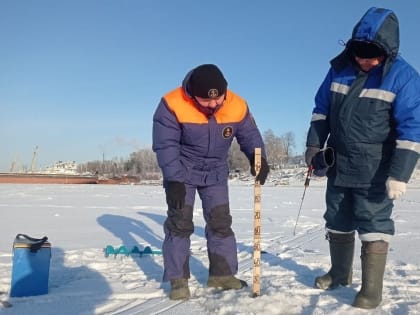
x=184 y=108
x=234 y=109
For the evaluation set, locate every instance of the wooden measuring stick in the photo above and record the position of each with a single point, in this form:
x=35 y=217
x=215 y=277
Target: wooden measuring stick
x=257 y=226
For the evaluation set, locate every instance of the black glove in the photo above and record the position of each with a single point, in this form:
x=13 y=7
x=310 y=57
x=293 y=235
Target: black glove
x=262 y=175
x=322 y=161
x=310 y=153
x=175 y=194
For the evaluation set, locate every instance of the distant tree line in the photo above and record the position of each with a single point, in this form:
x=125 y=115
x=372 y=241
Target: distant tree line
x=143 y=163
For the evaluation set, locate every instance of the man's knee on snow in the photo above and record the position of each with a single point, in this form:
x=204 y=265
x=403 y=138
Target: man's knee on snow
x=220 y=221
x=180 y=222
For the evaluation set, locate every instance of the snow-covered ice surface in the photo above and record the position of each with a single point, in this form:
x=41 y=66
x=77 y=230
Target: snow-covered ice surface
x=80 y=220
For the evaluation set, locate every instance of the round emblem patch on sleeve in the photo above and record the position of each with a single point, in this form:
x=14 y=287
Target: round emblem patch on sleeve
x=227 y=132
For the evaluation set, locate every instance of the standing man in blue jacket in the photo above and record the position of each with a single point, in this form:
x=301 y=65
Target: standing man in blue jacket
x=367 y=110
x=193 y=129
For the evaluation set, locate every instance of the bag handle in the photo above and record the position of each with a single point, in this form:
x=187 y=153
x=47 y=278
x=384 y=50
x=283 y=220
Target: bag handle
x=37 y=242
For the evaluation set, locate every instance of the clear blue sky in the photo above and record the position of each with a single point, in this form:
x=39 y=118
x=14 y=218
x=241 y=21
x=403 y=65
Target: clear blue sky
x=81 y=79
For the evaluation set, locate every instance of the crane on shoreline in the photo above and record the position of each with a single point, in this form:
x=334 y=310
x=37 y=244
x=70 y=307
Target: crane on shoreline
x=34 y=158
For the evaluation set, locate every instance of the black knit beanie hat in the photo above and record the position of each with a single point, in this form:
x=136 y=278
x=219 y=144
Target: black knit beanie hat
x=207 y=81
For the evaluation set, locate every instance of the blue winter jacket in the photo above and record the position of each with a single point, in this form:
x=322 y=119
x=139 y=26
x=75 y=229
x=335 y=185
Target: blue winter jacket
x=192 y=144
x=375 y=133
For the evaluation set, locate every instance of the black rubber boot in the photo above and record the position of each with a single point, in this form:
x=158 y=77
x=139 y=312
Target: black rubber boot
x=341 y=271
x=226 y=282
x=179 y=289
x=373 y=258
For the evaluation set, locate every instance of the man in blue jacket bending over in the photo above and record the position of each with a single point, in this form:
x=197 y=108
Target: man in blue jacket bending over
x=193 y=129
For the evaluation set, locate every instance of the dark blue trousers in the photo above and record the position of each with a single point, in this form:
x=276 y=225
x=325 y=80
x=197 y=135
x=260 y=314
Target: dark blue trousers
x=221 y=242
x=366 y=210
